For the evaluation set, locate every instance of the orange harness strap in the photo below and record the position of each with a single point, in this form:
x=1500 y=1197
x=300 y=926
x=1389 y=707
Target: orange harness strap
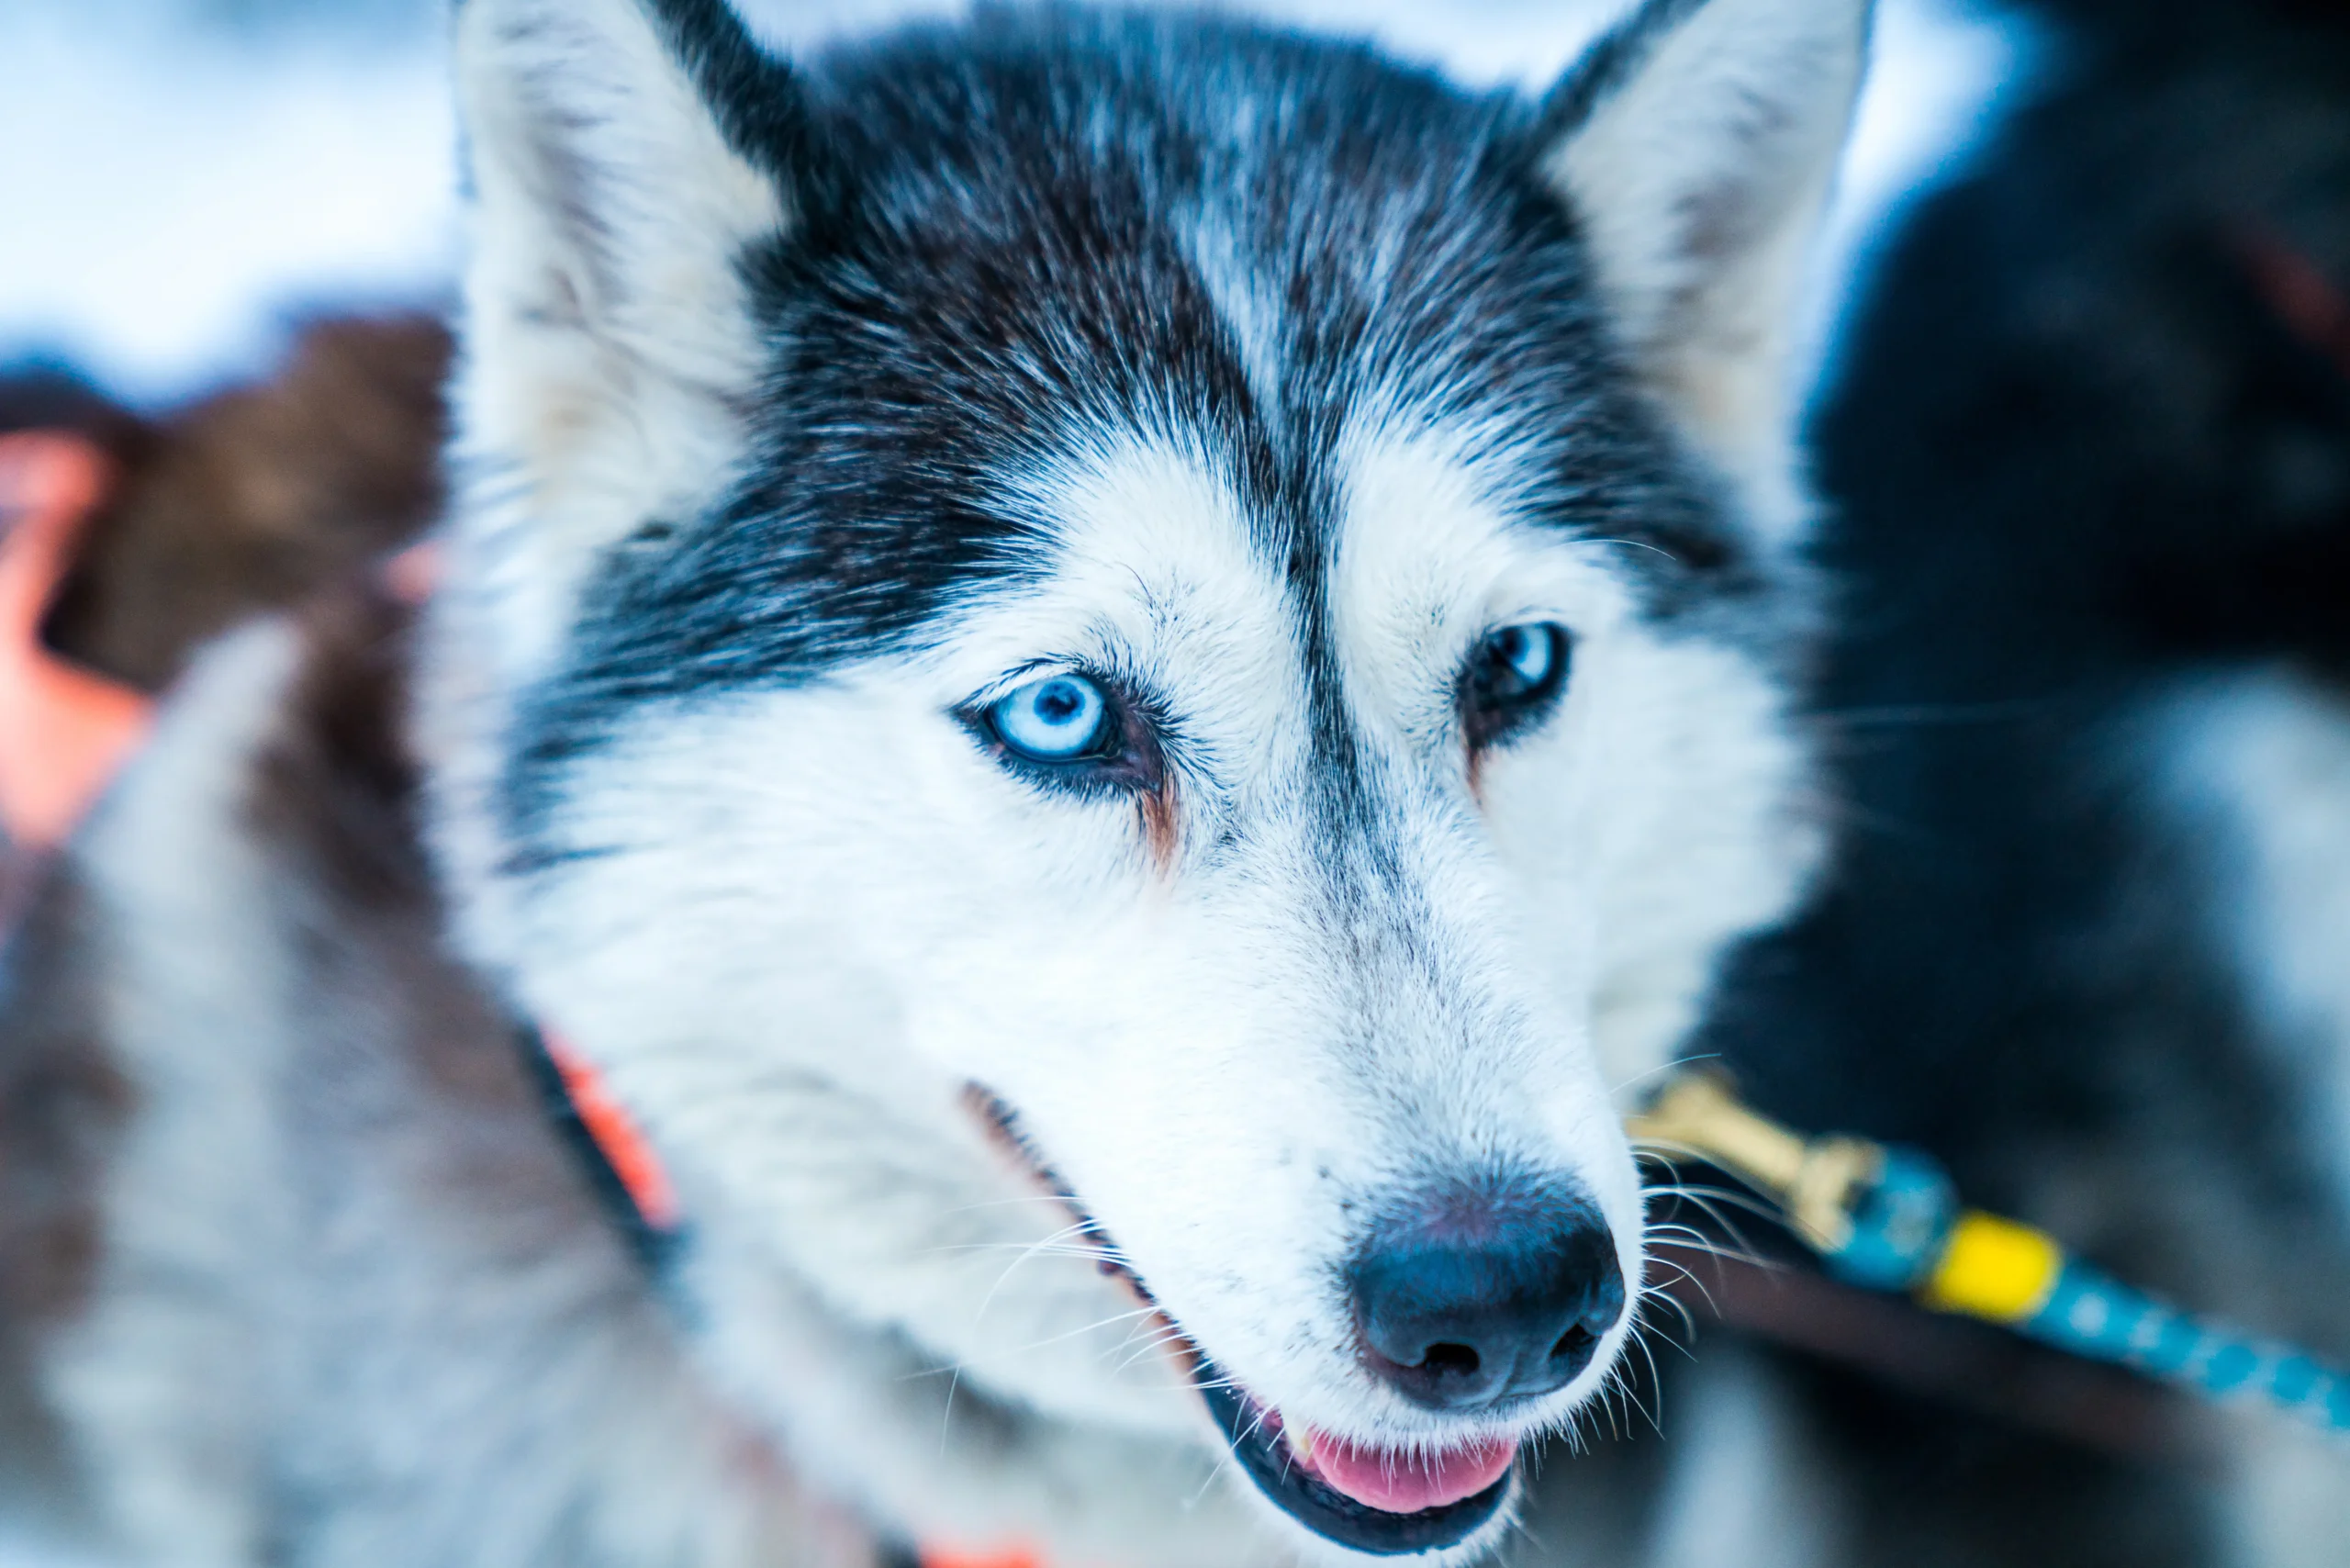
x=64 y=731
x=635 y=1173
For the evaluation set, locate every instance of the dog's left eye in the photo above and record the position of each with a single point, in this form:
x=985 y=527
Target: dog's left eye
x=1062 y=718
x=1513 y=676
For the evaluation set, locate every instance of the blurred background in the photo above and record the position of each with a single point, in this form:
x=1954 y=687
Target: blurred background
x=183 y=174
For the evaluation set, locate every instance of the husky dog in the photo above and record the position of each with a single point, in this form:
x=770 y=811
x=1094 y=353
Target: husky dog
x=1101 y=671
x=2087 y=937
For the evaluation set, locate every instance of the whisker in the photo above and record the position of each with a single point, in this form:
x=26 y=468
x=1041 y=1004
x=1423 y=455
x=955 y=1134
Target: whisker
x=1683 y=1239
x=1658 y=1292
x=1655 y=1381
x=946 y=1410
x=1708 y=1203
x=1081 y=1332
x=1160 y=1342
x=989 y=1299
x=1634 y=544
x=1215 y=1471
x=1732 y=1197
x=1662 y=1068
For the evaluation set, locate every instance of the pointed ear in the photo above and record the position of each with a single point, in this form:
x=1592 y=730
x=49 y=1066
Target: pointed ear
x=1696 y=144
x=624 y=157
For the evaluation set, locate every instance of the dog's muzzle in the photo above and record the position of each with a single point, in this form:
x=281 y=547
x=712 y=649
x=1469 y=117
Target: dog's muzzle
x=1477 y=1300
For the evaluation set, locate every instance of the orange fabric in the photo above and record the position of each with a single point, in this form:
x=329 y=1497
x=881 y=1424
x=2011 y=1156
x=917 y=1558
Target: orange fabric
x=932 y=1557
x=615 y=1132
x=64 y=731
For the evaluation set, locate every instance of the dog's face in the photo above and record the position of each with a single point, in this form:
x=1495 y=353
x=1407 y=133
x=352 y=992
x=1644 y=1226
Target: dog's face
x=1101 y=661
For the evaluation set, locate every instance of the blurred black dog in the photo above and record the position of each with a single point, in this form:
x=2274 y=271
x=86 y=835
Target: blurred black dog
x=2088 y=939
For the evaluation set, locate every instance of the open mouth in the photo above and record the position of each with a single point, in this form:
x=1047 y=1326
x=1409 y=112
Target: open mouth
x=1384 y=1502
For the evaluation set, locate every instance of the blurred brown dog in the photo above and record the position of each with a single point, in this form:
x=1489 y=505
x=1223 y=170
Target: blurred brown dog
x=250 y=499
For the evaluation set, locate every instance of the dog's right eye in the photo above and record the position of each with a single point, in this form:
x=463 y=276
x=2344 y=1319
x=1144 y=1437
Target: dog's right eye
x=1062 y=718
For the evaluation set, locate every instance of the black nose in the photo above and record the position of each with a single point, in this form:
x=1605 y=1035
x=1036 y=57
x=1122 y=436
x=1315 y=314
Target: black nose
x=1479 y=1300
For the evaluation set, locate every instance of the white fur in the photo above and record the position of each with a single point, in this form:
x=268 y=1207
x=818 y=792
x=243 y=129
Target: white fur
x=2286 y=1507
x=2251 y=778
x=154 y=1381
x=1750 y=1489
x=2259 y=766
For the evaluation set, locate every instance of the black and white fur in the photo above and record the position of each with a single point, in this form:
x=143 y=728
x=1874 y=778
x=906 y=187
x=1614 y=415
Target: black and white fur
x=802 y=410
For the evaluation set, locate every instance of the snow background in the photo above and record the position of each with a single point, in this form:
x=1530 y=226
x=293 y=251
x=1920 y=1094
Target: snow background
x=181 y=176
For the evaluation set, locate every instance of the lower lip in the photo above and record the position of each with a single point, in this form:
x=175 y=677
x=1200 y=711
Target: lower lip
x=1303 y=1491
x=1402 y=1483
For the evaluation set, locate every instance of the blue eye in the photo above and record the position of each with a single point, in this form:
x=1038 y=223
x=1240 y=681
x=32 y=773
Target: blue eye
x=1512 y=680
x=1524 y=656
x=1059 y=718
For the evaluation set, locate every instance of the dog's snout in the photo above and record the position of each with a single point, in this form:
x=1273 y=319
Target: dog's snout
x=1477 y=1304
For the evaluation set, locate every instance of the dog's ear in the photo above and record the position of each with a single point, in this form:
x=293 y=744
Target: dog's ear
x=1696 y=144
x=626 y=158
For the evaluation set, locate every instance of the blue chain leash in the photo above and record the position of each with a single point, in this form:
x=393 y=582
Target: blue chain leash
x=1888 y=1219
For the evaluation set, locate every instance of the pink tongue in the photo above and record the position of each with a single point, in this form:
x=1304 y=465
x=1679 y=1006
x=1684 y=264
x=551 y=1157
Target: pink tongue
x=1395 y=1483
